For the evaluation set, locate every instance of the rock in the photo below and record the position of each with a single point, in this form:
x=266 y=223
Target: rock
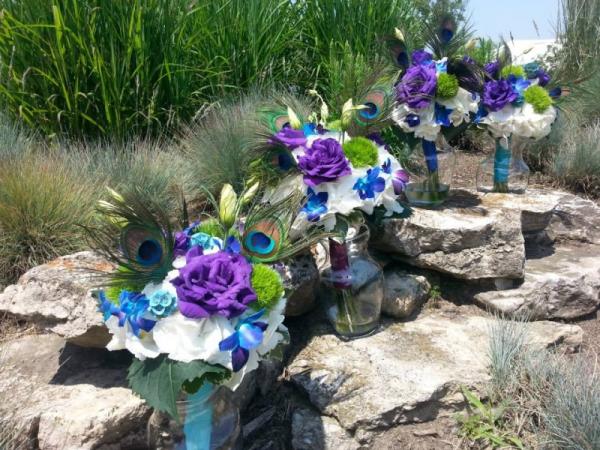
x=311 y=431
x=575 y=219
x=56 y=297
x=536 y=207
x=403 y=293
x=59 y=396
x=562 y=285
x=300 y=279
x=463 y=239
x=405 y=373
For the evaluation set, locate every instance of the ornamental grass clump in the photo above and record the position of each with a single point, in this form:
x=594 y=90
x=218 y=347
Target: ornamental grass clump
x=42 y=205
x=542 y=398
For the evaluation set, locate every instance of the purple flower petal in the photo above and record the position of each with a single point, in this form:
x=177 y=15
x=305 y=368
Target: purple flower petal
x=239 y=358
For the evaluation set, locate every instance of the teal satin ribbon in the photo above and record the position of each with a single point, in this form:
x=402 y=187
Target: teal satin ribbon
x=198 y=420
x=502 y=159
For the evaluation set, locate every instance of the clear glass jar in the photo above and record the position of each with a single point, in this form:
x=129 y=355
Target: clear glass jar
x=505 y=171
x=431 y=170
x=352 y=286
x=209 y=420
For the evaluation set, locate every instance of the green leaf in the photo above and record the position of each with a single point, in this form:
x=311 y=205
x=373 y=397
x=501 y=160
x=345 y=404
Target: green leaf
x=159 y=380
x=473 y=400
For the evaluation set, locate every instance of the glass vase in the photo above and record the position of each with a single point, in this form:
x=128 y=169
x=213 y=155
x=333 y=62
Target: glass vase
x=352 y=286
x=431 y=173
x=505 y=171
x=208 y=420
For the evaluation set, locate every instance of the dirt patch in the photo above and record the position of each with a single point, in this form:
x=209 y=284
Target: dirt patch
x=11 y=328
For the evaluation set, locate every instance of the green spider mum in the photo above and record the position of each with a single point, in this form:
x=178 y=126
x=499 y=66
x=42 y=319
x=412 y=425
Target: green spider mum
x=361 y=152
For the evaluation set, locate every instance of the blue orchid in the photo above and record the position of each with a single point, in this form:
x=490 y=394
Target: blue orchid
x=519 y=85
x=387 y=166
x=232 y=245
x=316 y=204
x=309 y=129
x=371 y=183
x=442 y=115
x=248 y=335
x=132 y=309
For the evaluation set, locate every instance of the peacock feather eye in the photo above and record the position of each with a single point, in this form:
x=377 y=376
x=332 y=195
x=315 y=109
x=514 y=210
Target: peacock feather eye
x=149 y=253
x=377 y=101
x=370 y=112
x=259 y=242
x=142 y=246
x=263 y=239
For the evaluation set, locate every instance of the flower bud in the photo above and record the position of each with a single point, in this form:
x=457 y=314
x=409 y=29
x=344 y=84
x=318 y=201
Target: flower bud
x=294 y=120
x=399 y=34
x=227 y=206
x=249 y=194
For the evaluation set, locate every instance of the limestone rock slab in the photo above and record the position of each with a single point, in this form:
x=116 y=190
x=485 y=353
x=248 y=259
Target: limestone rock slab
x=312 y=431
x=575 y=219
x=56 y=297
x=464 y=239
x=56 y=397
x=536 y=207
x=405 y=373
x=562 y=285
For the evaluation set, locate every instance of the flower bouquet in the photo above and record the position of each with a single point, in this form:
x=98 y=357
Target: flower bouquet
x=435 y=95
x=198 y=308
x=430 y=97
x=343 y=168
x=515 y=106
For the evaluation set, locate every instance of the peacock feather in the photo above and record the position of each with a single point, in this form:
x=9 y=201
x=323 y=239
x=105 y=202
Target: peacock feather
x=377 y=97
x=273 y=114
x=136 y=236
x=398 y=49
x=267 y=233
x=445 y=37
x=378 y=102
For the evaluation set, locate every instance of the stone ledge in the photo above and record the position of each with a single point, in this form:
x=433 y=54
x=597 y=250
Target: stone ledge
x=562 y=285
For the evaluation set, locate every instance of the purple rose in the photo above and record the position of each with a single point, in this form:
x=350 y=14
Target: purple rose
x=323 y=161
x=543 y=77
x=492 y=69
x=216 y=284
x=421 y=57
x=289 y=138
x=417 y=86
x=498 y=94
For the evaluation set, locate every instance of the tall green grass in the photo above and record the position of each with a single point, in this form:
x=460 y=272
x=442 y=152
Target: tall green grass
x=90 y=67
x=578 y=29
x=84 y=68
x=344 y=40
